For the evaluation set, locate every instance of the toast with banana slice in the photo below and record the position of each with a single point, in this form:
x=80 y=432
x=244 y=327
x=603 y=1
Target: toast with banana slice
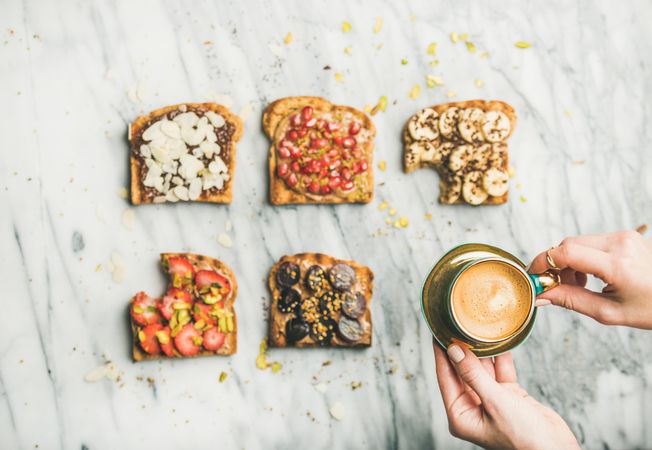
x=466 y=143
x=320 y=152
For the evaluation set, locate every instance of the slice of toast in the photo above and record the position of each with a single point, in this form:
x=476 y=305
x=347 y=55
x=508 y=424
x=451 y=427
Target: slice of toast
x=319 y=299
x=165 y=163
x=329 y=183
x=468 y=150
x=230 y=331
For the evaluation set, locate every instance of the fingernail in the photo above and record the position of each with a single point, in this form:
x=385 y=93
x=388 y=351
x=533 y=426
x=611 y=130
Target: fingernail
x=455 y=353
x=543 y=302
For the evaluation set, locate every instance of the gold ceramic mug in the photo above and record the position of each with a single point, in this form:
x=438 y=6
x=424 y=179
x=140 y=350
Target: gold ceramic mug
x=436 y=298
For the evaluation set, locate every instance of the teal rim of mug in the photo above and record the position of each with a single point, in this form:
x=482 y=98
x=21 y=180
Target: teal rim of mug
x=527 y=334
x=531 y=281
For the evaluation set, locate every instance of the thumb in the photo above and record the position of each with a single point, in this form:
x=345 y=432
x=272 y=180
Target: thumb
x=585 y=302
x=470 y=370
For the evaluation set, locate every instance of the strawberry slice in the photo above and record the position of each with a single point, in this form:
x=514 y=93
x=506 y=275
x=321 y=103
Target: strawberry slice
x=165 y=341
x=181 y=271
x=201 y=311
x=213 y=339
x=188 y=341
x=174 y=295
x=143 y=309
x=148 y=340
x=206 y=279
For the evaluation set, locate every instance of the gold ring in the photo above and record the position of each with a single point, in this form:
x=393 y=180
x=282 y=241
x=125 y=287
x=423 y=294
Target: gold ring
x=550 y=261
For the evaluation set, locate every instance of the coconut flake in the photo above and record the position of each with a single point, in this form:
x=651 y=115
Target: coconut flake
x=337 y=411
x=128 y=219
x=225 y=240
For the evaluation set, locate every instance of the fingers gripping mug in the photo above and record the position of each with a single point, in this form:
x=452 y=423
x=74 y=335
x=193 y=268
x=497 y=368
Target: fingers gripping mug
x=483 y=297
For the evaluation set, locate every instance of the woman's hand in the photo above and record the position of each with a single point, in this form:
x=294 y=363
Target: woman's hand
x=623 y=261
x=486 y=406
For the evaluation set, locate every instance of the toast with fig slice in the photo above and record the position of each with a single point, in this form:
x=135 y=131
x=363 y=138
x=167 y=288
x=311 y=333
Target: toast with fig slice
x=320 y=152
x=195 y=316
x=466 y=143
x=184 y=152
x=320 y=301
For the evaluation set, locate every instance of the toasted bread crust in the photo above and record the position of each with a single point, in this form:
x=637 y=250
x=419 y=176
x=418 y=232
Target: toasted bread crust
x=230 y=345
x=364 y=285
x=137 y=127
x=491 y=105
x=273 y=116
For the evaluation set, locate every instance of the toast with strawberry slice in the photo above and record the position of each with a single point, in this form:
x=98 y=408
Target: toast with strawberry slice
x=195 y=316
x=320 y=152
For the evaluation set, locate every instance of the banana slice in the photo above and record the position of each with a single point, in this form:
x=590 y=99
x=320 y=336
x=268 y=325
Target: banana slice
x=423 y=125
x=498 y=156
x=448 y=122
x=412 y=157
x=470 y=124
x=450 y=189
x=496 y=126
x=442 y=151
x=495 y=182
x=459 y=157
x=479 y=157
x=472 y=190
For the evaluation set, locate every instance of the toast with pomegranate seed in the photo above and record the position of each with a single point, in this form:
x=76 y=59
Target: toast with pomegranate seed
x=466 y=143
x=320 y=152
x=320 y=301
x=195 y=316
x=184 y=152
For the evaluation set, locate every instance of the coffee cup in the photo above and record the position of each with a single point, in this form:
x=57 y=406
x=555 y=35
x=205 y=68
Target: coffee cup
x=482 y=297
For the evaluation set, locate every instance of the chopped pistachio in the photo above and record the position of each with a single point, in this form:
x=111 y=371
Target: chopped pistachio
x=367 y=108
x=428 y=216
x=454 y=37
x=567 y=113
x=261 y=362
x=141 y=335
x=383 y=206
x=388 y=220
x=223 y=376
x=511 y=172
x=432 y=81
x=404 y=222
x=523 y=44
x=415 y=92
x=479 y=83
x=397 y=224
x=138 y=310
x=288 y=38
x=464 y=36
x=484 y=55
x=348 y=50
x=392 y=211
x=163 y=337
x=470 y=46
x=451 y=94
x=339 y=76
x=434 y=63
x=221 y=324
x=522 y=199
x=197 y=340
x=180 y=305
x=378 y=25
x=346 y=27
x=382 y=103
x=381 y=165
x=229 y=324
x=199 y=324
x=276 y=366
x=404 y=61
x=98 y=267
x=432 y=48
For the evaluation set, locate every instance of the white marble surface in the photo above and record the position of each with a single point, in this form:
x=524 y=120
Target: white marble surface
x=582 y=92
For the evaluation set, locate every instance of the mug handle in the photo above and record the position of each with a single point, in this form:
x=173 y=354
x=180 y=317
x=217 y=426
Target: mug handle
x=545 y=281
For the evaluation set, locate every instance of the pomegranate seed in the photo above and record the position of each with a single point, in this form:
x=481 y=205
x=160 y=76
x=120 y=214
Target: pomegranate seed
x=323 y=173
x=348 y=142
x=295 y=166
x=346 y=173
x=333 y=126
x=306 y=181
x=357 y=153
x=306 y=169
x=333 y=153
x=306 y=113
x=337 y=140
x=284 y=152
x=347 y=185
x=295 y=120
x=292 y=180
x=356 y=167
x=282 y=170
x=325 y=189
x=292 y=135
x=337 y=163
x=346 y=155
x=319 y=143
x=315 y=166
x=314 y=187
x=325 y=161
x=334 y=182
x=311 y=123
x=363 y=165
x=354 y=128
x=302 y=132
x=295 y=152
